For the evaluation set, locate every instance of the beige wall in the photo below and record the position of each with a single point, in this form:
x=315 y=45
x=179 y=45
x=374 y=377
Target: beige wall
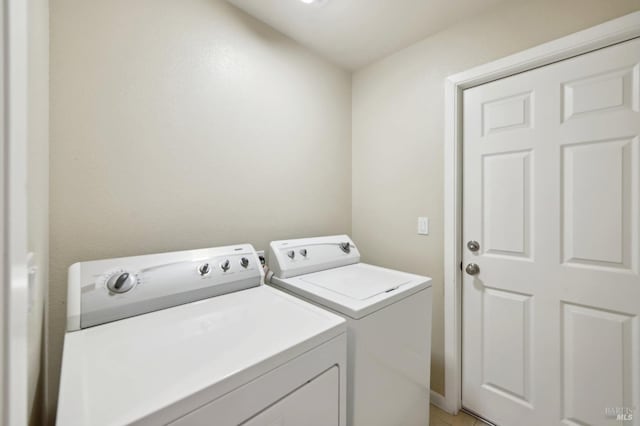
x=398 y=131
x=37 y=194
x=185 y=124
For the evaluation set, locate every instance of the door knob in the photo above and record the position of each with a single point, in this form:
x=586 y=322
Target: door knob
x=473 y=245
x=472 y=269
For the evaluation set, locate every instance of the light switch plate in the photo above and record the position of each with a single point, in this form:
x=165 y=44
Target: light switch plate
x=423 y=226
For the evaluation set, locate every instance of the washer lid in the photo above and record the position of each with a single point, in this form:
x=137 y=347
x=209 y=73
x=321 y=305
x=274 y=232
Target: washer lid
x=159 y=366
x=358 y=281
x=355 y=290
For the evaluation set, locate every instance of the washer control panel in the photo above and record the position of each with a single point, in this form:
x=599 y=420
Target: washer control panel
x=290 y=258
x=102 y=291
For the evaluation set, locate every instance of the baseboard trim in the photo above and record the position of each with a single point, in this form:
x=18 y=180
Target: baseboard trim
x=439 y=401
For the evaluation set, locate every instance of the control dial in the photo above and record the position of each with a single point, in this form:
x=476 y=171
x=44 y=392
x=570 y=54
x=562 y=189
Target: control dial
x=244 y=262
x=291 y=254
x=121 y=282
x=204 y=269
x=303 y=252
x=345 y=247
x=225 y=265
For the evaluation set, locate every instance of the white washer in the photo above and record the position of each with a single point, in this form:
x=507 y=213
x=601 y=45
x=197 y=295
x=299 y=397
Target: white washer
x=194 y=338
x=388 y=319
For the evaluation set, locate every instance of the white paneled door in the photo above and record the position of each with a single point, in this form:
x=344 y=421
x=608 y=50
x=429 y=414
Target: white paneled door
x=551 y=193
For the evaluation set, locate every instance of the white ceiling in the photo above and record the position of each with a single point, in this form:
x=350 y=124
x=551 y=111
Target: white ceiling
x=354 y=33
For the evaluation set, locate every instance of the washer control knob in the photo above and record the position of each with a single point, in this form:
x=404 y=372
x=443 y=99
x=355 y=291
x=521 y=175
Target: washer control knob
x=345 y=247
x=204 y=269
x=291 y=254
x=303 y=252
x=244 y=262
x=225 y=265
x=121 y=283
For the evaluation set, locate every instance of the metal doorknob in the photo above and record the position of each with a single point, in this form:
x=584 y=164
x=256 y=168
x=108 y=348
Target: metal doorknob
x=473 y=245
x=472 y=269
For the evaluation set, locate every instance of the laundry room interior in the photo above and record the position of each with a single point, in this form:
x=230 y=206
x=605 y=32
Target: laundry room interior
x=472 y=166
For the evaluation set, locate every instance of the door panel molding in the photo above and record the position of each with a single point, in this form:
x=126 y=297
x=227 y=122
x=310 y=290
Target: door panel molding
x=498 y=375
x=515 y=168
x=582 y=168
x=609 y=33
x=586 y=329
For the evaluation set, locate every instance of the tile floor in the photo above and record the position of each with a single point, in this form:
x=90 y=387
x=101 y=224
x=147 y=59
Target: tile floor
x=441 y=418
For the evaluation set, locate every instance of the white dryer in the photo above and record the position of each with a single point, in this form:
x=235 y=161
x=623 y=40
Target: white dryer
x=388 y=317
x=194 y=338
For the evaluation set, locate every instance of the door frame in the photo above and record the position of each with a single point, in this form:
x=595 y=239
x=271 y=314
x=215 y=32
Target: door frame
x=13 y=210
x=611 y=32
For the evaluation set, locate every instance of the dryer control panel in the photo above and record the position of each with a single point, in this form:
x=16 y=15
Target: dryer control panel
x=290 y=258
x=107 y=290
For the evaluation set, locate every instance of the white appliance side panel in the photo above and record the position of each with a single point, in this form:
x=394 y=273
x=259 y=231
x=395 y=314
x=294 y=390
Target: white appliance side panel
x=251 y=399
x=314 y=404
x=389 y=364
